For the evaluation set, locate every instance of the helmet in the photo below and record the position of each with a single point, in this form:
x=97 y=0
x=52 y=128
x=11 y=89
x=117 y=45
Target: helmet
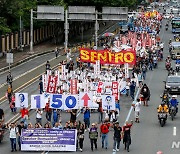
x=162 y=103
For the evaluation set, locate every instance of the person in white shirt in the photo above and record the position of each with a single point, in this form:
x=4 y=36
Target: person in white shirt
x=13 y=131
x=137 y=109
x=39 y=113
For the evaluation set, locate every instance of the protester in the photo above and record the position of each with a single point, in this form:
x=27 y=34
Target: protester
x=13 y=131
x=20 y=127
x=81 y=136
x=1 y=114
x=9 y=79
x=145 y=94
x=117 y=136
x=137 y=110
x=24 y=115
x=48 y=111
x=39 y=113
x=40 y=86
x=73 y=116
x=87 y=118
x=93 y=135
x=104 y=130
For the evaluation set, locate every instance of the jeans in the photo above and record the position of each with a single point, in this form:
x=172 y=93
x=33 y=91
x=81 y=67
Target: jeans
x=38 y=120
x=100 y=117
x=13 y=143
x=105 y=138
x=116 y=144
x=93 y=141
x=19 y=142
x=48 y=116
x=87 y=123
x=132 y=94
x=144 y=75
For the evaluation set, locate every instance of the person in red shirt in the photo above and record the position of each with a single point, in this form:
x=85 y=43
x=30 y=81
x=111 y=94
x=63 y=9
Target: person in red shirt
x=104 y=130
x=127 y=134
x=48 y=111
x=24 y=115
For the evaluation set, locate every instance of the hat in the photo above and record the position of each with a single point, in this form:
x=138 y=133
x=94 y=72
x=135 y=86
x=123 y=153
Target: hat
x=174 y=96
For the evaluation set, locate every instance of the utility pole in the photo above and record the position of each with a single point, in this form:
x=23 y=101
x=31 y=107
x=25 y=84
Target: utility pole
x=31 y=32
x=66 y=27
x=96 y=30
x=20 y=30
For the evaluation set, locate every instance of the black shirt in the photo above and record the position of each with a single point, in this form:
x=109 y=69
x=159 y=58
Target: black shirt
x=1 y=113
x=73 y=116
x=20 y=128
x=41 y=85
x=117 y=132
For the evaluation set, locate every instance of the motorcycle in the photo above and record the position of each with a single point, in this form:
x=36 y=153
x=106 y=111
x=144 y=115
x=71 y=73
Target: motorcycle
x=168 y=66
x=177 y=67
x=162 y=118
x=172 y=112
x=166 y=28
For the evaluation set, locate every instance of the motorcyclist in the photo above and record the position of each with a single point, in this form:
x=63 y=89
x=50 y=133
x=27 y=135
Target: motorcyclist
x=163 y=108
x=165 y=98
x=173 y=102
x=170 y=41
x=168 y=59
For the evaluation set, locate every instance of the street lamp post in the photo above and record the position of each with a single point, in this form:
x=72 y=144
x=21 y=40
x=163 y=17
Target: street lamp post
x=31 y=32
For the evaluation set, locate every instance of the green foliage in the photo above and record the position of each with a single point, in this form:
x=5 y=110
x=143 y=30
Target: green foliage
x=11 y=10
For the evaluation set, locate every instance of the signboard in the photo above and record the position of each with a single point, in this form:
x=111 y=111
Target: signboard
x=50 y=13
x=21 y=100
x=48 y=140
x=115 y=89
x=73 y=86
x=126 y=70
x=108 y=57
x=108 y=102
x=114 y=13
x=81 y=12
x=9 y=58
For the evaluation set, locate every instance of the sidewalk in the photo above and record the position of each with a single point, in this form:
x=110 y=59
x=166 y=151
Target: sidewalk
x=46 y=47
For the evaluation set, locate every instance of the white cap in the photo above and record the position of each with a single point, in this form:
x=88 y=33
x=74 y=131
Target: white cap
x=174 y=96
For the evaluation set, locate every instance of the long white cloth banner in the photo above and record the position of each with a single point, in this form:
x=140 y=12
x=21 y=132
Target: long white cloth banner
x=65 y=102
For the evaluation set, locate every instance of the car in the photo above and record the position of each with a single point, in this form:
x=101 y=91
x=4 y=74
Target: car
x=162 y=4
x=149 y=8
x=167 y=16
x=172 y=84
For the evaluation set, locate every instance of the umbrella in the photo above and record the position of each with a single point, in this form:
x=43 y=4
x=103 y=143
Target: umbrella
x=107 y=34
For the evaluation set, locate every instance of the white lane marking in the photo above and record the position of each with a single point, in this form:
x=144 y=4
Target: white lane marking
x=25 y=62
x=174 y=131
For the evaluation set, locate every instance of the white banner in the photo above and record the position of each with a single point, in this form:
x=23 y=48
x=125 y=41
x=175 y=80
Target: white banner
x=70 y=102
x=108 y=102
x=85 y=99
x=126 y=70
x=37 y=101
x=21 y=100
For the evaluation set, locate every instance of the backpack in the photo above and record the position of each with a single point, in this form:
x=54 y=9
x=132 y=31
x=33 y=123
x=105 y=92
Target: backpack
x=104 y=129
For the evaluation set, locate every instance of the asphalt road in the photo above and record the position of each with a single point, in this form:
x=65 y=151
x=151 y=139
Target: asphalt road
x=147 y=136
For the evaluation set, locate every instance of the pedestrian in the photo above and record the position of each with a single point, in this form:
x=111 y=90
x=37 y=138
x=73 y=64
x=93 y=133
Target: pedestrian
x=9 y=79
x=87 y=118
x=104 y=130
x=100 y=110
x=145 y=94
x=38 y=125
x=24 y=115
x=20 y=127
x=93 y=135
x=12 y=104
x=73 y=116
x=137 y=110
x=132 y=89
x=13 y=131
x=140 y=78
x=144 y=69
x=81 y=136
x=39 y=113
x=56 y=52
x=9 y=93
x=48 y=66
x=117 y=136
x=67 y=127
x=127 y=134
x=55 y=116
x=40 y=86
x=48 y=111
x=1 y=115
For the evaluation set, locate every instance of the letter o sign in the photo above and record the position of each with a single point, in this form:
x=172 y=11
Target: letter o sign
x=72 y=99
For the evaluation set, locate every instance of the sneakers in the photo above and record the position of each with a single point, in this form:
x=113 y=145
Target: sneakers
x=114 y=150
x=117 y=149
x=80 y=150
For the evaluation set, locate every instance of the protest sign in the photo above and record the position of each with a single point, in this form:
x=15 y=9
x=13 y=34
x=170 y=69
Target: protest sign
x=21 y=100
x=48 y=140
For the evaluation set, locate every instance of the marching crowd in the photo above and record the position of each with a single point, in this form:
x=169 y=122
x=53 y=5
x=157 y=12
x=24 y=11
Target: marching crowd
x=147 y=60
